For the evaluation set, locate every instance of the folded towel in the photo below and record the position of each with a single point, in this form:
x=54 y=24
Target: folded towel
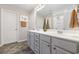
x=74 y=19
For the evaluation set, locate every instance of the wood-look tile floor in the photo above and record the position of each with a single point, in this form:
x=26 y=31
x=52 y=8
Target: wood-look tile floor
x=16 y=48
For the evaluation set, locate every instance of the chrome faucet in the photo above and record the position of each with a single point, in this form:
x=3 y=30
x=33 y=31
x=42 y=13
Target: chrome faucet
x=59 y=31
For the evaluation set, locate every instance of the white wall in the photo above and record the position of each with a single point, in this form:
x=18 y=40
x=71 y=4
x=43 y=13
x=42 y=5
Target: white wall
x=23 y=31
x=32 y=20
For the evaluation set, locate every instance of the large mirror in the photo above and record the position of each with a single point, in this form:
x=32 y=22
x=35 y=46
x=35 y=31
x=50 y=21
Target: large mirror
x=59 y=16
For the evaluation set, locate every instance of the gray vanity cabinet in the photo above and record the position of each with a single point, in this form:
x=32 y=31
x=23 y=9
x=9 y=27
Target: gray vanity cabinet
x=37 y=43
x=44 y=44
x=31 y=39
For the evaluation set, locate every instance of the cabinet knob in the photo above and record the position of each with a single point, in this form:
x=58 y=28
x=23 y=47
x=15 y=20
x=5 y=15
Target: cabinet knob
x=54 y=48
x=36 y=40
x=48 y=45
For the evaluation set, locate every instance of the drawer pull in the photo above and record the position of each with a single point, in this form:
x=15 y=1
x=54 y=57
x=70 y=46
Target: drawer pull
x=48 y=45
x=54 y=48
x=36 y=40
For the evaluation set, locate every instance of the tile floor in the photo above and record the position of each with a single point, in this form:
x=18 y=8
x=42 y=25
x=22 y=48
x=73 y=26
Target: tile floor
x=16 y=48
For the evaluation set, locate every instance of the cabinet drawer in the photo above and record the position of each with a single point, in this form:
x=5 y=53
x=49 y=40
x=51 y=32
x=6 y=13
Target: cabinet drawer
x=37 y=36
x=45 y=38
x=36 y=51
x=31 y=33
x=36 y=44
x=37 y=41
x=37 y=47
x=67 y=45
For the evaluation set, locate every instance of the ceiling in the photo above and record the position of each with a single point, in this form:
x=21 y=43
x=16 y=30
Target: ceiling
x=49 y=8
x=27 y=7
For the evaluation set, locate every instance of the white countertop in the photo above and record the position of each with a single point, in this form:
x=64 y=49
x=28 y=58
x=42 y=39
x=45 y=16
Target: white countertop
x=71 y=36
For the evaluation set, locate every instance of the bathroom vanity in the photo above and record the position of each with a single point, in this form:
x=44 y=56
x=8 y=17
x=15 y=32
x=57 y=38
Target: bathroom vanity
x=61 y=39
x=51 y=42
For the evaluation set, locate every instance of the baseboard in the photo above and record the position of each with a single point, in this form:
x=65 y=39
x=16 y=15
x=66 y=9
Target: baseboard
x=17 y=41
x=22 y=40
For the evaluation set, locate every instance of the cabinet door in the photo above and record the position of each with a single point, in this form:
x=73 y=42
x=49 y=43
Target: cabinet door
x=45 y=38
x=53 y=50
x=44 y=47
x=67 y=45
x=61 y=51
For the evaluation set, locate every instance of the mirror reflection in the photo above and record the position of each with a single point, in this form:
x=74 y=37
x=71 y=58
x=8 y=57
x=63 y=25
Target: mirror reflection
x=59 y=16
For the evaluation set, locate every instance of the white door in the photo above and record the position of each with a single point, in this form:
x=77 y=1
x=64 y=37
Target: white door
x=8 y=27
